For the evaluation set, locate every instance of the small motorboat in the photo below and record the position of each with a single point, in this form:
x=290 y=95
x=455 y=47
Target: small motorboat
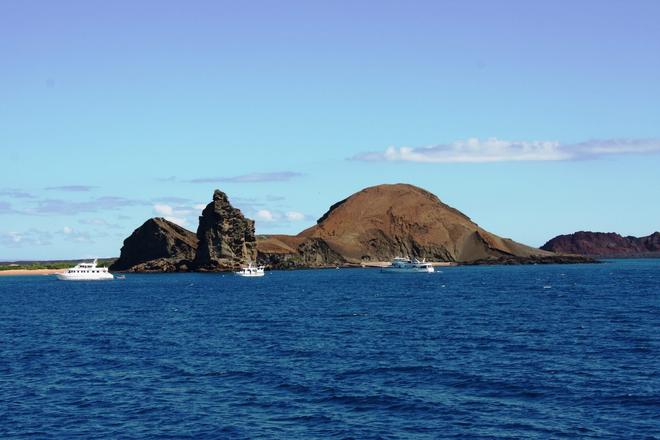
x=251 y=271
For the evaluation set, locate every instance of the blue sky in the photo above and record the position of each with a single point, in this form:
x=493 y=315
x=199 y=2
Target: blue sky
x=533 y=118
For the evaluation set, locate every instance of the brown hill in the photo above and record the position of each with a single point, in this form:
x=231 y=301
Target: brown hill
x=605 y=244
x=385 y=221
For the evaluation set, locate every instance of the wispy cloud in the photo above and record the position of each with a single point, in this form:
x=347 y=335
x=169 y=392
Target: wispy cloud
x=71 y=234
x=5 y=208
x=38 y=237
x=249 y=178
x=602 y=147
x=270 y=215
x=15 y=193
x=268 y=211
x=67 y=207
x=295 y=216
x=171 y=199
x=31 y=237
x=71 y=188
x=496 y=150
x=176 y=214
x=265 y=215
x=99 y=222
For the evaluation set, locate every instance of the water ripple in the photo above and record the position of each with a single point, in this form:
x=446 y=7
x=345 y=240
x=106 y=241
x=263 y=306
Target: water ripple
x=474 y=352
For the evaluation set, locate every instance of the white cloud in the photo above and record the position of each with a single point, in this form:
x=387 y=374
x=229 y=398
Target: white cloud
x=265 y=215
x=75 y=235
x=295 y=216
x=177 y=220
x=163 y=210
x=173 y=214
x=275 y=216
x=31 y=237
x=199 y=207
x=476 y=150
x=99 y=222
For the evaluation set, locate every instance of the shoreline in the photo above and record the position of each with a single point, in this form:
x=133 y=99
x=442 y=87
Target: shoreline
x=373 y=264
x=389 y=263
x=21 y=272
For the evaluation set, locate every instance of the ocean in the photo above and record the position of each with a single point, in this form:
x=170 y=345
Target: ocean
x=546 y=351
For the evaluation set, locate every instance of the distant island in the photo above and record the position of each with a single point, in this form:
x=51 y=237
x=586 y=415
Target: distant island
x=605 y=244
x=372 y=225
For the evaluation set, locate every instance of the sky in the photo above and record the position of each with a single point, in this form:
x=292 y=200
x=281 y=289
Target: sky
x=533 y=118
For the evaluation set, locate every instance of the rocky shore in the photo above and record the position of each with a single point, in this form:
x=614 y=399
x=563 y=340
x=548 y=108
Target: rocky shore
x=546 y=259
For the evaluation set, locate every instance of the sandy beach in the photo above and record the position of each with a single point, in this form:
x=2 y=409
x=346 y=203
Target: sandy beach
x=29 y=272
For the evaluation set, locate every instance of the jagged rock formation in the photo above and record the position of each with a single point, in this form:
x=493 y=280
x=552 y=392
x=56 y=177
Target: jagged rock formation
x=224 y=241
x=157 y=246
x=226 y=237
x=605 y=244
x=385 y=221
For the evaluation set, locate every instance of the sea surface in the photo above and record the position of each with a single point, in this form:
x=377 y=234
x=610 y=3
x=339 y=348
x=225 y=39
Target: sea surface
x=557 y=351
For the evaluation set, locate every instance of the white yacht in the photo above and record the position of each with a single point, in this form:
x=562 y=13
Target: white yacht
x=251 y=271
x=400 y=264
x=85 y=272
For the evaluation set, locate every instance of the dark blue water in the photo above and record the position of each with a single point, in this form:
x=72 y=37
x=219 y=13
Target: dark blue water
x=473 y=352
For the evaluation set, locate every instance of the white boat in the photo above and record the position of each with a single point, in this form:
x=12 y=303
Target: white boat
x=85 y=272
x=400 y=264
x=251 y=271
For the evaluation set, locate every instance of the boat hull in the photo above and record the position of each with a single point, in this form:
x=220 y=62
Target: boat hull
x=84 y=277
x=255 y=274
